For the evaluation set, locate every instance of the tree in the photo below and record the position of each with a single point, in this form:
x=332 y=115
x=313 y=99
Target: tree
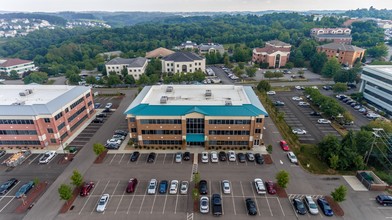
x=282 y=178
x=124 y=72
x=289 y=65
x=91 y=80
x=98 y=148
x=317 y=62
x=143 y=80
x=113 y=79
x=128 y=79
x=330 y=68
x=264 y=86
x=65 y=192
x=74 y=79
x=299 y=59
x=36 y=181
x=14 y=74
x=340 y=87
x=334 y=161
x=196 y=178
x=269 y=74
x=250 y=71
x=300 y=73
x=378 y=51
x=339 y=195
x=76 y=178
x=36 y=77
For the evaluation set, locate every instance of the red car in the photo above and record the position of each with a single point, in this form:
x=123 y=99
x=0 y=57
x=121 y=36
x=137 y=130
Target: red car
x=131 y=185
x=270 y=187
x=284 y=145
x=87 y=188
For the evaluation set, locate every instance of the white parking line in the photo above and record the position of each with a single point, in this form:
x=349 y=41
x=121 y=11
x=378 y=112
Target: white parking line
x=133 y=196
x=103 y=191
x=220 y=193
x=34 y=159
x=115 y=187
x=5 y=195
x=153 y=203
x=281 y=206
x=113 y=158
x=268 y=205
x=164 y=205
x=175 y=209
x=88 y=198
x=144 y=196
x=121 y=158
x=164 y=158
x=232 y=197
x=7 y=204
x=254 y=195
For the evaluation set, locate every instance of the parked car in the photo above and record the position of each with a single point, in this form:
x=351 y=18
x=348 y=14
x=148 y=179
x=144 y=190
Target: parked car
x=259 y=159
x=323 y=121
x=151 y=157
x=152 y=186
x=324 y=206
x=109 y=105
x=362 y=110
x=118 y=137
x=271 y=93
x=87 y=187
x=251 y=206
x=226 y=187
x=113 y=141
x=131 y=185
x=311 y=205
x=271 y=187
x=292 y=157
x=135 y=156
x=297 y=98
x=357 y=107
x=187 y=156
x=214 y=157
x=47 y=157
x=222 y=156
x=101 y=115
x=241 y=157
x=97 y=105
x=163 y=186
x=112 y=146
x=103 y=201
x=216 y=203
x=259 y=185
x=303 y=104
x=299 y=206
x=250 y=156
x=98 y=120
x=178 y=157
x=173 y=187
x=203 y=188
x=121 y=132
x=315 y=113
x=283 y=144
x=384 y=200
x=232 y=157
x=2 y=153
x=298 y=131
x=184 y=187
x=279 y=103
x=6 y=186
x=23 y=190
x=204 y=204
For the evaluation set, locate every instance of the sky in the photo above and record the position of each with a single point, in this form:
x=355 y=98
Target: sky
x=188 y=5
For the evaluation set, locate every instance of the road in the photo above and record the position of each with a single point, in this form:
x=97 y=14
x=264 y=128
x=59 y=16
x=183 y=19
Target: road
x=58 y=81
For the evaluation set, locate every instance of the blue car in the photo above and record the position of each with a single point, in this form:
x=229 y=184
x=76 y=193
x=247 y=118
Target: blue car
x=163 y=186
x=97 y=105
x=24 y=189
x=6 y=186
x=324 y=206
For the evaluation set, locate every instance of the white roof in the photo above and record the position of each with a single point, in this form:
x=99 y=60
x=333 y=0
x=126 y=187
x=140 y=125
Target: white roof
x=386 y=69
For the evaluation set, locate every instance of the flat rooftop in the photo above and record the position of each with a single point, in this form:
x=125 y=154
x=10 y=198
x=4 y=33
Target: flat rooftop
x=10 y=94
x=196 y=95
x=387 y=69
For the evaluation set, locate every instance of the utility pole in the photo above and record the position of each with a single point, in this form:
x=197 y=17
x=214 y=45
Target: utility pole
x=376 y=135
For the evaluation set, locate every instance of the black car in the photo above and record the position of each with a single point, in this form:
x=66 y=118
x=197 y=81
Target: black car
x=299 y=206
x=101 y=115
x=259 y=159
x=134 y=156
x=315 y=114
x=151 y=157
x=186 y=156
x=251 y=206
x=324 y=206
x=98 y=120
x=6 y=186
x=2 y=153
x=279 y=103
x=121 y=132
x=241 y=157
x=112 y=146
x=203 y=188
x=384 y=200
x=222 y=156
x=216 y=203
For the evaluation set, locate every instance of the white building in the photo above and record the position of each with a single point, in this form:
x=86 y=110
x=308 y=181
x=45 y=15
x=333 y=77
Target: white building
x=20 y=66
x=186 y=62
x=211 y=48
x=377 y=86
x=135 y=66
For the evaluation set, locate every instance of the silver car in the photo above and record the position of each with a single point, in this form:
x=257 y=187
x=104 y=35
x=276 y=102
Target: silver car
x=184 y=187
x=226 y=187
x=103 y=201
x=178 y=157
x=311 y=205
x=204 y=204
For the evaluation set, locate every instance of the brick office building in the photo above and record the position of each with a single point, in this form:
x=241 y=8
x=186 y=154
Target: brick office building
x=276 y=53
x=346 y=54
x=39 y=116
x=210 y=116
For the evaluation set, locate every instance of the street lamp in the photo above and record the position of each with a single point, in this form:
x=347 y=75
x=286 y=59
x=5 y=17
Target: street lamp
x=62 y=147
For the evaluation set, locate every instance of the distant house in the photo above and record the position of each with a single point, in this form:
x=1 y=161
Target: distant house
x=159 y=53
x=186 y=62
x=20 y=66
x=335 y=35
x=135 y=66
x=211 y=48
x=276 y=53
x=346 y=54
x=187 y=45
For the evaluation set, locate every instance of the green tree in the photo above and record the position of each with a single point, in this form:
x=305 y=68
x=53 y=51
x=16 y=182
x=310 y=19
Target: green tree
x=359 y=162
x=289 y=65
x=334 y=161
x=36 y=77
x=76 y=179
x=329 y=145
x=331 y=68
x=317 y=62
x=339 y=195
x=269 y=74
x=378 y=51
x=195 y=194
x=250 y=71
x=196 y=179
x=36 y=181
x=113 y=79
x=91 y=80
x=299 y=59
x=241 y=65
x=263 y=86
x=282 y=178
x=98 y=148
x=128 y=79
x=74 y=79
x=14 y=75
x=65 y=192
x=340 y=87
x=143 y=80
x=124 y=72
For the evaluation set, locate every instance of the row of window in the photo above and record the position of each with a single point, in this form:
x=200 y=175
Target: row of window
x=379 y=88
x=61 y=126
x=382 y=98
x=18 y=132
x=78 y=123
x=73 y=105
x=228 y=143
x=16 y=122
x=88 y=95
x=20 y=143
x=162 y=142
x=160 y=121
x=76 y=114
x=380 y=78
x=161 y=132
x=178 y=65
x=228 y=132
x=59 y=115
x=229 y=122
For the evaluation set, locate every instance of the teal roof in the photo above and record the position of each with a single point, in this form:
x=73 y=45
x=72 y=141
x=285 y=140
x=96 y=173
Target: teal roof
x=195 y=138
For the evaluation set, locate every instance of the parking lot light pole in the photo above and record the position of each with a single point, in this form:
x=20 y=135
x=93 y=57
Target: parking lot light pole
x=62 y=147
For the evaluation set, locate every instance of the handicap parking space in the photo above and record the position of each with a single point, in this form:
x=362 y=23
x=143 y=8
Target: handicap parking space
x=307 y=215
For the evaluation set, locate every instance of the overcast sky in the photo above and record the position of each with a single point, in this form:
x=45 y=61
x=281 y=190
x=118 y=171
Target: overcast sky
x=187 y=5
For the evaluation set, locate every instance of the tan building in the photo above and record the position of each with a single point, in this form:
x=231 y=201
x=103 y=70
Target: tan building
x=183 y=62
x=135 y=66
x=275 y=53
x=335 y=35
x=209 y=116
x=159 y=53
x=346 y=54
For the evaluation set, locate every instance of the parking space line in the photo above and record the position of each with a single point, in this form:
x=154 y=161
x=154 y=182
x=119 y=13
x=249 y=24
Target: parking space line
x=98 y=199
x=7 y=204
x=9 y=191
x=254 y=195
x=88 y=198
x=115 y=187
x=232 y=197
x=153 y=203
x=121 y=158
x=164 y=205
x=175 y=209
x=113 y=158
x=34 y=159
x=268 y=205
x=164 y=158
x=220 y=193
x=144 y=196
x=133 y=196
x=281 y=206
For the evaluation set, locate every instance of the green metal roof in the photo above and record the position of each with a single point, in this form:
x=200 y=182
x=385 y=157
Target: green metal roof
x=195 y=137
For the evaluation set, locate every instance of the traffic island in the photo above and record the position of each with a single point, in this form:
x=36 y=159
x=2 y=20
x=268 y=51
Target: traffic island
x=101 y=157
x=267 y=159
x=28 y=202
x=337 y=210
x=68 y=204
x=281 y=192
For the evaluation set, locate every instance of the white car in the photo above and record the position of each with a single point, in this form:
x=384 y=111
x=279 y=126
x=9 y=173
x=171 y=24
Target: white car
x=292 y=157
x=298 y=87
x=372 y=115
x=260 y=187
x=226 y=187
x=152 y=186
x=118 y=137
x=303 y=104
x=297 y=98
x=214 y=157
x=173 y=187
x=232 y=156
x=311 y=205
x=178 y=157
x=47 y=157
x=184 y=187
x=204 y=204
x=314 y=87
x=103 y=201
x=204 y=157
x=298 y=131
x=109 y=105
x=271 y=93
x=113 y=141
x=323 y=121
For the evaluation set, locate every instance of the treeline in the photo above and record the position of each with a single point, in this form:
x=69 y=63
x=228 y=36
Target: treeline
x=53 y=19
x=370 y=13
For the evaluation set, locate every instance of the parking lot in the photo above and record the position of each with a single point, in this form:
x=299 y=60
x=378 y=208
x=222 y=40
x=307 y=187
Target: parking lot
x=299 y=117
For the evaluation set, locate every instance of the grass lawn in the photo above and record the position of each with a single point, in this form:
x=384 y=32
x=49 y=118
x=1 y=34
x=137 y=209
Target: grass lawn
x=308 y=157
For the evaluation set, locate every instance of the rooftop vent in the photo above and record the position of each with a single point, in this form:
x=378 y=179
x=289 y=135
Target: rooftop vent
x=208 y=93
x=164 y=99
x=19 y=103
x=26 y=92
x=169 y=89
x=227 y=102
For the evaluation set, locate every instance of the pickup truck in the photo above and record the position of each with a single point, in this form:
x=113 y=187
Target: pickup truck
x=216 y=205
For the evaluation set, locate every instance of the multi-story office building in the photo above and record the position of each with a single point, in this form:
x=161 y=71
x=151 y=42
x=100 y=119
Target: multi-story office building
x=276 y=53
x=134 y=66
x=377 y=86
x=209 y=116
x=39 y=116
x=183 y=62
x=345 y=54
x=20 y=66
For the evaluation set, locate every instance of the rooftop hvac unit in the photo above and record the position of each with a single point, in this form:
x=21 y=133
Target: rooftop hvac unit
x=227 y=102
x=30 y=91
x=24 y=93
x=164 y=99
x=169 y=89
x=208 y=93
